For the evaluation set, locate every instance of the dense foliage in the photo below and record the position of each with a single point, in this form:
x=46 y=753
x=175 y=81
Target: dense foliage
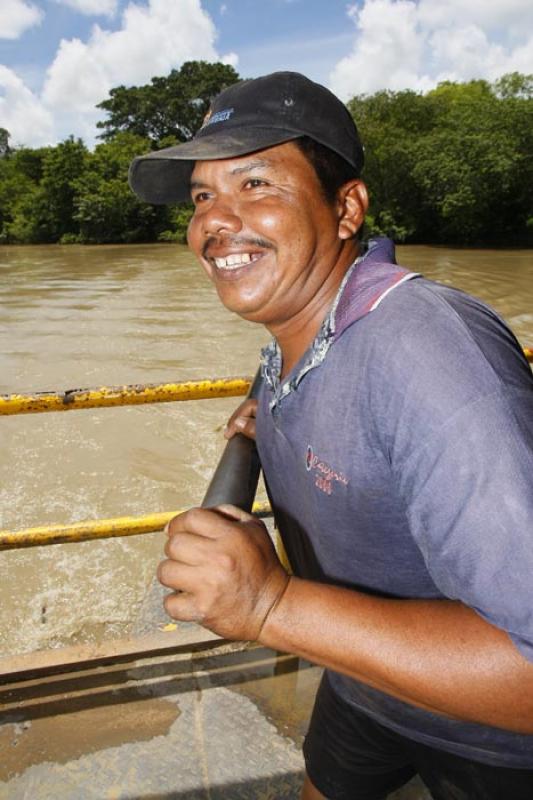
x=68 y=194
x=452 y=166
x=169 y=109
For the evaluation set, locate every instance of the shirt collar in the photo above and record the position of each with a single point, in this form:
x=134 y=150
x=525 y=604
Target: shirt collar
x=368 y=280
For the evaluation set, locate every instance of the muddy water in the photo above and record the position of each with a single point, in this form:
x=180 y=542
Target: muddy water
x=78 y=316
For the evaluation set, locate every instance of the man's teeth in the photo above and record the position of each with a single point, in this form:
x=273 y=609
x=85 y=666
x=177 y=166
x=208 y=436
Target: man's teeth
x=234 y=261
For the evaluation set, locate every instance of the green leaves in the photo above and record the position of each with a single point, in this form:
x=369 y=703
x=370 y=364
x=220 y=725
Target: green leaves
x=452 y=166
x=68 y=194
x=170 y=108
x=105 y=209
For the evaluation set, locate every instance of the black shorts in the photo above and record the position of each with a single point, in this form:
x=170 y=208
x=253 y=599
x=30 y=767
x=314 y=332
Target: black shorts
x=351 y=757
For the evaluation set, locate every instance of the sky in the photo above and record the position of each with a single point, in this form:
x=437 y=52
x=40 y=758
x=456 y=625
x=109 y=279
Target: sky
x=59 y=58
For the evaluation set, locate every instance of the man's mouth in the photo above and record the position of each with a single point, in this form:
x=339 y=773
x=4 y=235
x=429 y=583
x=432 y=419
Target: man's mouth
x=230 y=256
x=236 y=260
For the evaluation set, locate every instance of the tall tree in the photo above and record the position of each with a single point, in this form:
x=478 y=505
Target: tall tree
x=169 y=108
x=4 y=142
x=106 y=208
x=451 y=166
x=390 y=124
x=514 y=84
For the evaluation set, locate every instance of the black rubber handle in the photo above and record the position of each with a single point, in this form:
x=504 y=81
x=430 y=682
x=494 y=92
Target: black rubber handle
x=237 y=473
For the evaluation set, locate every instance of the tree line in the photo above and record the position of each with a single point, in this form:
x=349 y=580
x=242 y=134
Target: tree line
x=451 y=166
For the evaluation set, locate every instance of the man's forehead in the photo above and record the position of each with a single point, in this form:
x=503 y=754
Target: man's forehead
x=229 y=166
x=261 y=160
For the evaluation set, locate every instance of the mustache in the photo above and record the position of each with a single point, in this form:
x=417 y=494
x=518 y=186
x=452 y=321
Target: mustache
x=236 y=241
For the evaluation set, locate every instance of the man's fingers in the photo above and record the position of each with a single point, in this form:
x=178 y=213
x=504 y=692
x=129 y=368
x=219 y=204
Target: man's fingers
x=188 y=548
x=205 y=522
x=242 y=420
x=244 y=425
x=180 y=577
x=234 y=513
x=183 y=607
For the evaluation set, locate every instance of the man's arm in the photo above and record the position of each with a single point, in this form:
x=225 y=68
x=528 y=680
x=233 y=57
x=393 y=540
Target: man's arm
x=436 y=654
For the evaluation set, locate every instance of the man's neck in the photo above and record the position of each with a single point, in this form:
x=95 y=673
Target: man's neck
x=296 y=336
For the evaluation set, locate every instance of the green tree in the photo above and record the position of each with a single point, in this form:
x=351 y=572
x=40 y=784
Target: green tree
x=54 y=207
x=14 y=187
x=20 y=175
x=473 y=166
x=514 y=84
x=171 y=107
x=178 y=219
x=451 y=166
x=30 y=162
x=390 y=124
x=4 y=142
x=45 y=212
x=106 y=210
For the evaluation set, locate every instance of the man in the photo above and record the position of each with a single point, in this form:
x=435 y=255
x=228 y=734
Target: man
x=395 y=430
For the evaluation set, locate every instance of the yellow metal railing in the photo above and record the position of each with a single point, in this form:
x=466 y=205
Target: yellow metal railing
x=105 y=397
x=95 y=529
x=132 y=394
x=129 y=395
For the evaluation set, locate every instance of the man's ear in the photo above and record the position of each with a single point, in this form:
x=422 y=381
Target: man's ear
x=352 y=204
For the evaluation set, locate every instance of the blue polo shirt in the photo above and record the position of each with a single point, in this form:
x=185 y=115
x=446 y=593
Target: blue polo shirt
x=398 y=455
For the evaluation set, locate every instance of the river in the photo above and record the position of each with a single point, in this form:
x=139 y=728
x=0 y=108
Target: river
x=73 y=317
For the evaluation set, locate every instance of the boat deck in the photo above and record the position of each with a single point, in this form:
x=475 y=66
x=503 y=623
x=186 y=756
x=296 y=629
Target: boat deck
x=196 y=719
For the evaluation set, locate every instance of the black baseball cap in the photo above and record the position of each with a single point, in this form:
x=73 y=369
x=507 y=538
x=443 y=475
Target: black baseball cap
x=248 y=116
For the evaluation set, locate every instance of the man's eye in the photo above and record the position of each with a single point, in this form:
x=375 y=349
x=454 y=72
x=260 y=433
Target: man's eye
x=201 y=197
x=254 y=183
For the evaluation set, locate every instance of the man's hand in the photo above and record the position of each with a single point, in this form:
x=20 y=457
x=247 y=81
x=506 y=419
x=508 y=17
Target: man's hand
x=224 y=571
x=242 y=420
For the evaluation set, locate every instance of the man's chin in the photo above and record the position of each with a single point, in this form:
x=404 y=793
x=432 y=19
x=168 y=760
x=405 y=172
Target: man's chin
x=249 y=309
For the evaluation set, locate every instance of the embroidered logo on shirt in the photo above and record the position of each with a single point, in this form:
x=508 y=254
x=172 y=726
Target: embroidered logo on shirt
x=324 y=475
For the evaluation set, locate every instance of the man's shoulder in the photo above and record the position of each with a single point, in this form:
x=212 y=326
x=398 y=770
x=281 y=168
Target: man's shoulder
x=425 y=297
x=428 y=318
x=434 y=344
x=450 y=325
x=418 y=313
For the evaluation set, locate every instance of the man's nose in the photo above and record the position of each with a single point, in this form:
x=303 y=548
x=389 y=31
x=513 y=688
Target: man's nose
x=221 y=217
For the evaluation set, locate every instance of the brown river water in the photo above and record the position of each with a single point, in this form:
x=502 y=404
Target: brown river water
x=73 y=317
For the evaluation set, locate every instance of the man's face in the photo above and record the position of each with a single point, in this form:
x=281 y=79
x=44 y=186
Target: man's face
x=263 y=232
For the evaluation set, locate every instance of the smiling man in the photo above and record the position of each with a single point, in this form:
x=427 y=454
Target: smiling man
x=395 y=430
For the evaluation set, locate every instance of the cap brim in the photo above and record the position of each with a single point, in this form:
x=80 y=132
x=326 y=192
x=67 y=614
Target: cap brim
x=164 y=176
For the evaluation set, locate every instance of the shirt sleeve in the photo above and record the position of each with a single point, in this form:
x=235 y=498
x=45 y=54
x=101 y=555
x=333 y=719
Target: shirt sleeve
x=460 y=440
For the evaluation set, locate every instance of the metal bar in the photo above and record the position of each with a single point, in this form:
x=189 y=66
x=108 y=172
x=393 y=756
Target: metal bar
x=129 y=395
x=115 y=396
x=95 y=529
x=43 y=664
x=237 y=473
x=132 y=394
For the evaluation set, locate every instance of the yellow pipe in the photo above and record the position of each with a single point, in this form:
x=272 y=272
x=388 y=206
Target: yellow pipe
x=94 y=529
x=129 y=395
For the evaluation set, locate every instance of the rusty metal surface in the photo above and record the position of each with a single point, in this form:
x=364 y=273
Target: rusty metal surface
x=132 y=394
x=128 y=395
x=95 y=529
